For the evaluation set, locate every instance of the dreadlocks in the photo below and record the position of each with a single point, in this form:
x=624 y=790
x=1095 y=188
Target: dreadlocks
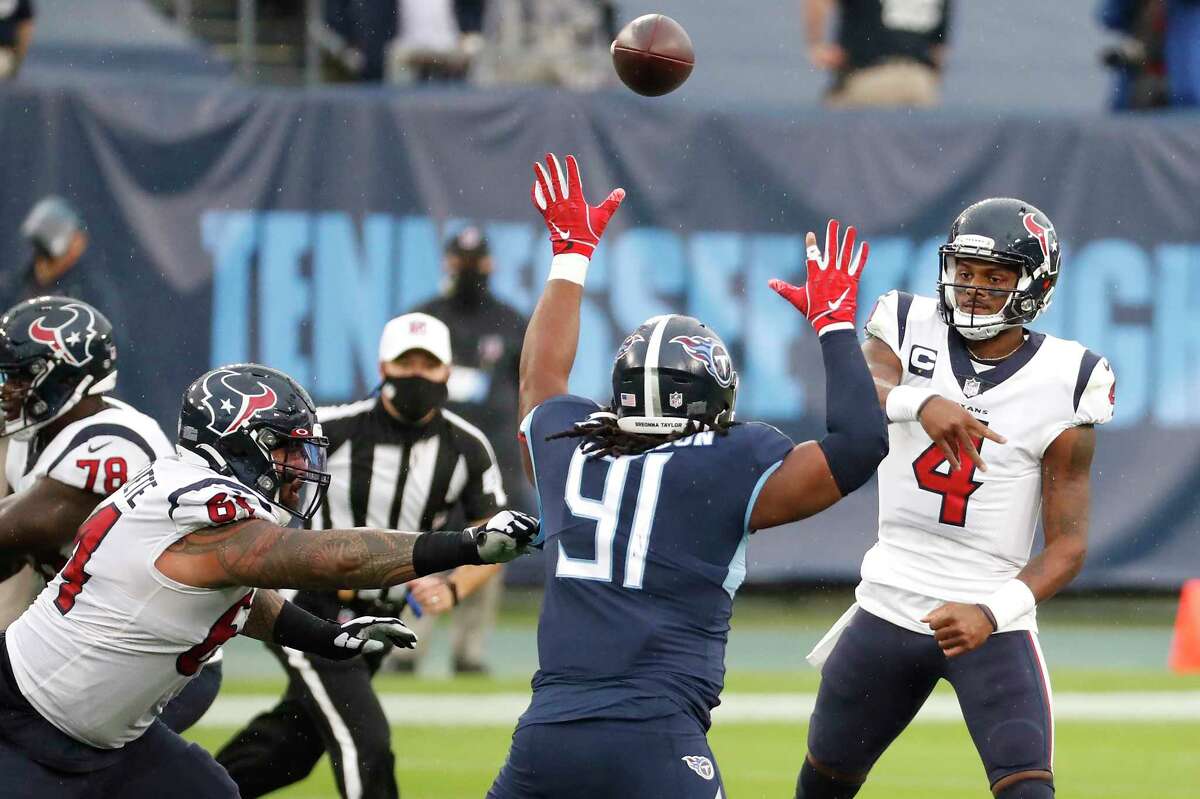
x=602 y=437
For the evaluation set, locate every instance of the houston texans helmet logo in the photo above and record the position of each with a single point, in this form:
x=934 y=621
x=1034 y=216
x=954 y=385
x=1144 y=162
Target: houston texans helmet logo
x=627 y=345
x=70 y=338
x=234 y=405
x=711 y=353
x=1042 y=234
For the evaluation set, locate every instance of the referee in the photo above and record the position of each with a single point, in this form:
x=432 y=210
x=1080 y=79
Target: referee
x=399 y=461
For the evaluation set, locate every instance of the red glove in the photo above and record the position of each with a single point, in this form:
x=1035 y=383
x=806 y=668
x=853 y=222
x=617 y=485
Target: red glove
x=829 y=296
x=575 y=227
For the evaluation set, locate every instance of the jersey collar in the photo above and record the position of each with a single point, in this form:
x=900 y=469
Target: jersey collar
x=960 y=361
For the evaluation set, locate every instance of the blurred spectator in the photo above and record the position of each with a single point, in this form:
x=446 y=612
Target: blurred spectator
x=437 y=40
x=563 y=42
x=887 y=52
x=16 y=32
x=1157 y=61
x=486 y=336
x=361 y=30
x=60 y=262
x=1138 y=58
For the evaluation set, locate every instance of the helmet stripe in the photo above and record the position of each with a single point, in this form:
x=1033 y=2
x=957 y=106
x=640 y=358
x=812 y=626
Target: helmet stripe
x=653 y=399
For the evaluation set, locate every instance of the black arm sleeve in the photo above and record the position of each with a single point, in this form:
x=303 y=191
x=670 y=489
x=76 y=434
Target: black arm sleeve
x=857 y=439
x=298 y=629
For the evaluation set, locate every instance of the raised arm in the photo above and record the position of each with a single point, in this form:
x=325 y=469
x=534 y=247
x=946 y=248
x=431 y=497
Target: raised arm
x=575 y=229
x=258 y=553
x=815 y=475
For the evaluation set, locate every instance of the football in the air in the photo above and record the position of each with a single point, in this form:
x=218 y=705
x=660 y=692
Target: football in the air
x=653 y=55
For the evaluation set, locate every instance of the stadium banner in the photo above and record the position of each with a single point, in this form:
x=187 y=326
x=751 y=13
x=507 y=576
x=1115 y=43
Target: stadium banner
x=229 y=224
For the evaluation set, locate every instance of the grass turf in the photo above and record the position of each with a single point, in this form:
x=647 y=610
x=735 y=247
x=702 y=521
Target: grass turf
x=1094 y=761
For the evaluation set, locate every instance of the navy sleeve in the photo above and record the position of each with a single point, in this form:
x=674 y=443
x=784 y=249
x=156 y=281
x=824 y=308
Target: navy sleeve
x=551 y=459
x=766 y=451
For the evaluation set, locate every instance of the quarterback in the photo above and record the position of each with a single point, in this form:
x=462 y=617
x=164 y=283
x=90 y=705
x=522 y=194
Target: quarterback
x=991 y=426
x=176 y=563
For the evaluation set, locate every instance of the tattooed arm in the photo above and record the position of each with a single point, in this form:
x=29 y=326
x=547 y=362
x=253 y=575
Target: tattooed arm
x=1066 y=496
x=258 y=553
x=260 y=624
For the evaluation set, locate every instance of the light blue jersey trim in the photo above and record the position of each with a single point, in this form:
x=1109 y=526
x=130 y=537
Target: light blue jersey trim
x=527 y=433
x=737 y=565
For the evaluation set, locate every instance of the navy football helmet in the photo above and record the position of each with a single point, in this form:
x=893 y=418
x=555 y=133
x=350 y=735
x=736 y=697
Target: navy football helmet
x=1011 y=233
x=670 y=371
x=259 y=426
x=54 y=351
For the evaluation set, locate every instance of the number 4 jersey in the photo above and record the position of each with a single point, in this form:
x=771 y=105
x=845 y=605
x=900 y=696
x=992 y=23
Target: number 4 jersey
x=643 y=556
x=112 y=639
x=959 y=536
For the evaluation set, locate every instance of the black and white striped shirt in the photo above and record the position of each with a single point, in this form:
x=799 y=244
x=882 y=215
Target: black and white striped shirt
x=397 y=477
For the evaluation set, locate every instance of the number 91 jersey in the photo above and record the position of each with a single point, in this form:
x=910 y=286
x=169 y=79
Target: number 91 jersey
x=958 y=536
x=643 y=556
x=112 y=639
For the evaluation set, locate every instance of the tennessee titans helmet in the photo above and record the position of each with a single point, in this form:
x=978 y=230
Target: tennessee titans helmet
x=670 y=370
x=259 y=426
x=1011 y=233
x=54 y=351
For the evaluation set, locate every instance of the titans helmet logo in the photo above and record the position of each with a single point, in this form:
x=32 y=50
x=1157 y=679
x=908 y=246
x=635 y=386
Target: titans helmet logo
x=236 y=405
x=627 y=345
x=68 y=331
x=712 y=354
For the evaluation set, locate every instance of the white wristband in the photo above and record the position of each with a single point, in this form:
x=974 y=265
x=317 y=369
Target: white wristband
x=904 y=403
x=1011 y=602
x=569 y=266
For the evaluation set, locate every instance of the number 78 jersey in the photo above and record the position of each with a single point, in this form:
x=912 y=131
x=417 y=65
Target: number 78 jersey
x=957 y=536
x=643 y=556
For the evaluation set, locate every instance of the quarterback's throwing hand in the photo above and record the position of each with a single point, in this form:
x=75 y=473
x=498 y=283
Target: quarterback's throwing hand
x=829 y=296
x=959 y=628
x=957 y=433
x=575 y=227
x=506 y=535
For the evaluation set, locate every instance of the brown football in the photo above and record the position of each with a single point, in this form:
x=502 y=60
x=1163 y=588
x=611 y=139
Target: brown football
x=653 y=55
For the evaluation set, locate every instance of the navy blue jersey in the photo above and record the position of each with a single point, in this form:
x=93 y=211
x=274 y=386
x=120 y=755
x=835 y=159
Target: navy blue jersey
x=643 y=556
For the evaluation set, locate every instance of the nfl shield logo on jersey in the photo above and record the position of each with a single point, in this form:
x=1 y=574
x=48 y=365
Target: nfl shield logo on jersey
x=675 y=400
x=699 y=764
x=970 y=387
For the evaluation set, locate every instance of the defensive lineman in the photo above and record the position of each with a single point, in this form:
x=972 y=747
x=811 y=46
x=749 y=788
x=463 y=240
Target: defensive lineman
x=647 y=508
x=949 y=590
x=165 y=571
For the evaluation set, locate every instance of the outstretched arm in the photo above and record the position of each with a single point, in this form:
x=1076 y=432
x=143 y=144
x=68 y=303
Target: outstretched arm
x=575 y=229
x=259 y=553
x=815 y=475
x=275 y=620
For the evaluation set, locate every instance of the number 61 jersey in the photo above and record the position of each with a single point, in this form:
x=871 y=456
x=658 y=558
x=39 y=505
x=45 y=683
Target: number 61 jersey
x=958 y=536
x=112 y=639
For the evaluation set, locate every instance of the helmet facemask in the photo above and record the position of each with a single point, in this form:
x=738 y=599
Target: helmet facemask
x=286 y=469
x=1020 y=307
x=27 y=408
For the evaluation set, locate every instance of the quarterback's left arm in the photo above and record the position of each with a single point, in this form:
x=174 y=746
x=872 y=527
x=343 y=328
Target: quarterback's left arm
x=44 y=518
x=1066 y=493
x=275 y=620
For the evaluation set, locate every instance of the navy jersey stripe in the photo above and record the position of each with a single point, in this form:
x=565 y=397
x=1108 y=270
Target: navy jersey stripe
x=1086 y=366
x=904 y=302
x=115 y=430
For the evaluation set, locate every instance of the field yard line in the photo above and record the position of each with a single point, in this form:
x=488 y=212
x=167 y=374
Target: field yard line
x=460 y=710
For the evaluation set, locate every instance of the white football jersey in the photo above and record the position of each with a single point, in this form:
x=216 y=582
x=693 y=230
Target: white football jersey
x=98 y=454
x=959 y=537
x=111 y=639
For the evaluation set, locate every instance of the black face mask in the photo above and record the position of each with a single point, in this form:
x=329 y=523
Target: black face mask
x=413 y=397
x=470 y=285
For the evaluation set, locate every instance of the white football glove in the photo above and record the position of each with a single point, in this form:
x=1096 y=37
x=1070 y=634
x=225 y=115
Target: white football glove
x=368 y=634
x=506 y=536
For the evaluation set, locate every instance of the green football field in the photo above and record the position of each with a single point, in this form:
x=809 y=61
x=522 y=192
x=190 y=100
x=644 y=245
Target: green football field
x=1127 y=727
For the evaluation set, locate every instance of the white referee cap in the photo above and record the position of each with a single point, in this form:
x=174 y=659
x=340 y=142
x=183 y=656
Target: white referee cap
x=415 y=331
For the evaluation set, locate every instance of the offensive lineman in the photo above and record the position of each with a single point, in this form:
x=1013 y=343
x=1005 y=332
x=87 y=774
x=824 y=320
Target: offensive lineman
x=165 y=571
x=647 y=508
x=949 y=590
x=70 y=446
